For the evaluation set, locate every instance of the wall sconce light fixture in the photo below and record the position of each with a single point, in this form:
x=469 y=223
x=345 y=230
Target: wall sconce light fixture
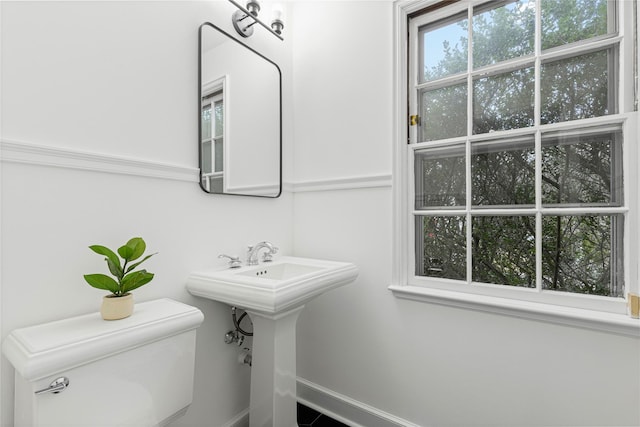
x=246 y=17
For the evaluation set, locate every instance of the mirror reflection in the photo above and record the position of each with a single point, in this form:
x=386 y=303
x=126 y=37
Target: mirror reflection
x=240 y=118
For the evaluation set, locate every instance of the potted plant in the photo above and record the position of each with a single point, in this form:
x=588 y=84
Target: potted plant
x=119 y=304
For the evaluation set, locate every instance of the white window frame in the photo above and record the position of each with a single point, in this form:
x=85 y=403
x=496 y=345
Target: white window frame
x=593 y=312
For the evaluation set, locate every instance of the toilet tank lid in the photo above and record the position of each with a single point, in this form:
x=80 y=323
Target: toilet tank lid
x=50 y=348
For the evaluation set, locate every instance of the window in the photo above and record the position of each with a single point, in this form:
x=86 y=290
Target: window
x=519 y=180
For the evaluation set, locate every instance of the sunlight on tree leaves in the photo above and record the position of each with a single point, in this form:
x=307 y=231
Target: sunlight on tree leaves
x=503 y=33
x=568 y=21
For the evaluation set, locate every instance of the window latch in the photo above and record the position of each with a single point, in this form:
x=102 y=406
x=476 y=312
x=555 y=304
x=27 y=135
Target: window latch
x=414 y=120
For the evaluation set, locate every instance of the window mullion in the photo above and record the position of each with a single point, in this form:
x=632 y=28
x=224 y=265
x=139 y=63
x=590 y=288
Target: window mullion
x=579 y=48
x=522 y=211
x=468 y=212
x=538 y=144
x=469 y=234
x=414 y=244
x=538 y=180
x=414 y=52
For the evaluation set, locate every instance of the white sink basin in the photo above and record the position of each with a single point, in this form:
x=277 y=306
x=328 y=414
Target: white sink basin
x=280 y=271
x=273 y=287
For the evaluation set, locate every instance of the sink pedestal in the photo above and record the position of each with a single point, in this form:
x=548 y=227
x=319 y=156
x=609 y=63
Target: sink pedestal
x=273 y=370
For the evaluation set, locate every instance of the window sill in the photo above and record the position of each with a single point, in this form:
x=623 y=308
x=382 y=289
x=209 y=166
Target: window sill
x=576 y=317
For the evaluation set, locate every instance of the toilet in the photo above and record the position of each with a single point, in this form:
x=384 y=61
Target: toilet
x=134 y=372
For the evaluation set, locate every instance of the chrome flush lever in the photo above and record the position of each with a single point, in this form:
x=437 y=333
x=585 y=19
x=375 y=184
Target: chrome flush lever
x=58 y=385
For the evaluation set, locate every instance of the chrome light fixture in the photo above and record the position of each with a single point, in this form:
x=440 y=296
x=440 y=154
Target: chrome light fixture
x=246 y=17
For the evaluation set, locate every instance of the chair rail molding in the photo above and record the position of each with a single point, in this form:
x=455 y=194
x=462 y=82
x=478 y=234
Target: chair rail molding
x=12 y=151
x=342 y=183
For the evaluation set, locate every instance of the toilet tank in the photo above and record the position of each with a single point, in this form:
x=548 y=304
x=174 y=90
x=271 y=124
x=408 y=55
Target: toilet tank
x=134 y=372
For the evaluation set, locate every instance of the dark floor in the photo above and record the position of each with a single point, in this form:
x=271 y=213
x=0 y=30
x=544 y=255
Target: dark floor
x=308 y=417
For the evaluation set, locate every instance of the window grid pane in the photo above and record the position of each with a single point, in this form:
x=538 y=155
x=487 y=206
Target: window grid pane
x=440 y=178
x=503 y=173
x=443 y=48
x=443 y=112
x=582 y=170
x=579 y=87
x=503 y=101
x=582 y=254
x=442 y=250
x=503 y=32
x=569 y=21
x=504 y=250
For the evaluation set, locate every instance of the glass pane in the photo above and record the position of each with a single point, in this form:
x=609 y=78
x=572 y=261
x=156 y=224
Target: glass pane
x=444 y=48
x=206 y=122
x=503 y=173
x=504 y=101
x=568 y=21
x=440 y=177
x=219 y=118
x=216 y=184
x=578 y=254
x=441 y=249
x=578 y=88
x=443 y=113
x=504 y=32
x=582 y=169
x=219 y=156
x=206 y=157
x=504 y=250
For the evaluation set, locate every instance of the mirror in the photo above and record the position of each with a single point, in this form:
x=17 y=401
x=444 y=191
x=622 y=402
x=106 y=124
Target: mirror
x=240 y=120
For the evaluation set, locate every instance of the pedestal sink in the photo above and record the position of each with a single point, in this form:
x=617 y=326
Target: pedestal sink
x=273 y=294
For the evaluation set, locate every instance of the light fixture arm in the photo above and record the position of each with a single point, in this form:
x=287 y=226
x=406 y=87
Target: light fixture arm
x=246 y=29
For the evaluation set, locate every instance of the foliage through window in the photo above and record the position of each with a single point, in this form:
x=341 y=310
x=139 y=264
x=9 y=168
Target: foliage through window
x=517 y=155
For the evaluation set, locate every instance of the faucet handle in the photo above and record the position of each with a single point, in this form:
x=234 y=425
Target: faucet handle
x=234 y=261
x=268 y=256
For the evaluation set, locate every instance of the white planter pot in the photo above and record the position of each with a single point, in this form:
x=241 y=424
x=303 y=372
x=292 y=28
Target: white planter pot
x=114 y=308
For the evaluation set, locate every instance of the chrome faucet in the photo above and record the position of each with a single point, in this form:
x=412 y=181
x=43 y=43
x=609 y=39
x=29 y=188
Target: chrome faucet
x=252 y=254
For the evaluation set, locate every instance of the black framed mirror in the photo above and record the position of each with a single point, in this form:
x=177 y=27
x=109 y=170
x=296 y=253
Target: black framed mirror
x=240 y=117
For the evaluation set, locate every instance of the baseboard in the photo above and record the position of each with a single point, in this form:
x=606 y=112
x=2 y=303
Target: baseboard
x=240 y=420
x=339 y=407
x=345 y=409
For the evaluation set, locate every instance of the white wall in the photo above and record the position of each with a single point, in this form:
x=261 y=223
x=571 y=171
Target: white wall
x=119 y=79
x=428 y=364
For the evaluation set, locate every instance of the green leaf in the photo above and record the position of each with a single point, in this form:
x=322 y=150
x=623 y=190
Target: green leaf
x=135 y=280
x=102 y=281
x=138 y=245
x=125 y=252
x=101 y=250
x=116 y=270
x=132 y=266
x=134 y=249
